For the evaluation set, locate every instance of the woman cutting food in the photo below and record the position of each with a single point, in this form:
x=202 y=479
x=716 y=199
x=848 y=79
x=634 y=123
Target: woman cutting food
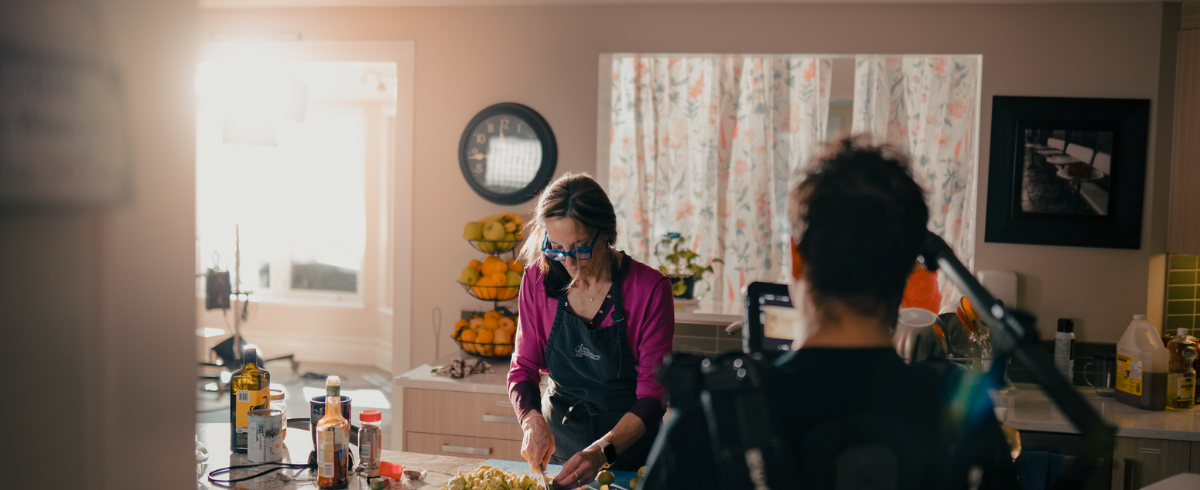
x=598 y=322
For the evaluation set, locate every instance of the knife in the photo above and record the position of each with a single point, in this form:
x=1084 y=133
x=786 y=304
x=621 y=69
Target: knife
x=547 y=483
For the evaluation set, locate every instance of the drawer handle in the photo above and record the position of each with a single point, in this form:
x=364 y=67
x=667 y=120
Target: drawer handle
x=480 y=451
x=501 y=419
x=504 y=403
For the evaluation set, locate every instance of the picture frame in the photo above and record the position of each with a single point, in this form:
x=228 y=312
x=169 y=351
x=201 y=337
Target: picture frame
x=1067 y=171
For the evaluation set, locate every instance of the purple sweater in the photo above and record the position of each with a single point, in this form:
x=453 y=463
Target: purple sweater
x=650 y=328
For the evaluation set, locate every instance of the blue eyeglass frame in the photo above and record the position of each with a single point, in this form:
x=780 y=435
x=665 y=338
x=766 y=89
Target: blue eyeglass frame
x=561 y=255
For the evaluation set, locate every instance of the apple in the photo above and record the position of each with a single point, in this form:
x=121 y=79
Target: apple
x=493 y=231
x=512 y=278
x=473 y=231
x=469 y=276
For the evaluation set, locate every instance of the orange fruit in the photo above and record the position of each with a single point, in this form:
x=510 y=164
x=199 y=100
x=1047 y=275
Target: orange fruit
x=493 y=314
x=507 y=293
x=498 y=278
x=506 y=322
x=474 y=263
x=476 y=323
x=458 y=328
x=515 y=265
x=493 y=265
x=490 y=324
x=488 y=350
x=501 y=337
x=467 y=335
x=484 y=336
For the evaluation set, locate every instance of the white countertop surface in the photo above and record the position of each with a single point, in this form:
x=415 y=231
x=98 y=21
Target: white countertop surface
x=422 y=377
x=1031 y=409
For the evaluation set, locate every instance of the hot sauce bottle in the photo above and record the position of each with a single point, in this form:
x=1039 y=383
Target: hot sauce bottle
x=333 y=439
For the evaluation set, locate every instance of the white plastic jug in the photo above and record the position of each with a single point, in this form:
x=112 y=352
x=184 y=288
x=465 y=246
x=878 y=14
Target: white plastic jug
x=1142 y=366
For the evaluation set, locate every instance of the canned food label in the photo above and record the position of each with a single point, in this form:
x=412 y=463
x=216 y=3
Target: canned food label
x=266 y=438
x=1129 y=375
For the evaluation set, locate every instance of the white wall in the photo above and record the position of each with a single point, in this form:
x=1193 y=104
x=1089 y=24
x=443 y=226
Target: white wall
x=546 y=57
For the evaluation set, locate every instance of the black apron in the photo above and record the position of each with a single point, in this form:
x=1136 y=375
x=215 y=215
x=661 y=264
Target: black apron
x=593 y=383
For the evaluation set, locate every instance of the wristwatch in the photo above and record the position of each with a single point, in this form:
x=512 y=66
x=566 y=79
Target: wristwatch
x=610 y=452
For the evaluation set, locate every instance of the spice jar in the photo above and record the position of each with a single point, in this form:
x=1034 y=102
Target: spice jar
x=370 y=438
x=276 y=403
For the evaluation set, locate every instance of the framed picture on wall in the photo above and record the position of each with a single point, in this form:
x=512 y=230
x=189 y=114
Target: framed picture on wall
x=1067 y=171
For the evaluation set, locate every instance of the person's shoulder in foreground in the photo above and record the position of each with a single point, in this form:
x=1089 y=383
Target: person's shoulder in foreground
x=815 y=387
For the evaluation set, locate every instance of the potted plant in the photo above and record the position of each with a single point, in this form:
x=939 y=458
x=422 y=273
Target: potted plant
x=683 y=271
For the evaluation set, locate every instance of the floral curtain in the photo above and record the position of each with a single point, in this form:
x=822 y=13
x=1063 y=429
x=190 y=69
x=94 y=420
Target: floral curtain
x=926 y=105
x=706 y=146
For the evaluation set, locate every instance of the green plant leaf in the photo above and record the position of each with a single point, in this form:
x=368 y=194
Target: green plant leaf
x=662 y=269
x=678 y=288
x=719 y=261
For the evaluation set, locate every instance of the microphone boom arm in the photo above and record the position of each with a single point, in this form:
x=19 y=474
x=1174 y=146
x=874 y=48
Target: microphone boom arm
x=1015 y=333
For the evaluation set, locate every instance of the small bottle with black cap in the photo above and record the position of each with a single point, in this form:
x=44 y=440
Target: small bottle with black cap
x=1064 y=347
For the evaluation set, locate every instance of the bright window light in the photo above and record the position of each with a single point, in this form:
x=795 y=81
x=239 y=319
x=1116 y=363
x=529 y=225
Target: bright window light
x=298 y=202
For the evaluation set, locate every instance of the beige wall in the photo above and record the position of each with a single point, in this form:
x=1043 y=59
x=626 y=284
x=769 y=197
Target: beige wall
x=98 y=320
x=545 y=57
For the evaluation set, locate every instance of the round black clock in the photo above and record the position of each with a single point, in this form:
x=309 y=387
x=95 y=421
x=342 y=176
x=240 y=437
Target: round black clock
x=507 y=153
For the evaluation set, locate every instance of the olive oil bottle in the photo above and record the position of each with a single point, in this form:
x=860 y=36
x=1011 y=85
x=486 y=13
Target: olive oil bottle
x=333 y=439
x=249 y=389
x=1181 y=378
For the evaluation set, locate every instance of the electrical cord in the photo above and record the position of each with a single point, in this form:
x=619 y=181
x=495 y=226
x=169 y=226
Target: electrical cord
x=278 y=466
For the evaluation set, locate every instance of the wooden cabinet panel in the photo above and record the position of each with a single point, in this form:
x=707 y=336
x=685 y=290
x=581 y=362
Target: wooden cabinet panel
x=460 y=414
x=1182 y=234
x=1195 y=466
x=463 y=447
x=1140 y=462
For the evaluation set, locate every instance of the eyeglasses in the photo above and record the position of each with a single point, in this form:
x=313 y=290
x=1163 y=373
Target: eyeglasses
x=581 y=253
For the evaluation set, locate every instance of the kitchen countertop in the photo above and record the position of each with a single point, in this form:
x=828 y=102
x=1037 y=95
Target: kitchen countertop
x=298 y=443
x=1031 y=409
x=421 y=377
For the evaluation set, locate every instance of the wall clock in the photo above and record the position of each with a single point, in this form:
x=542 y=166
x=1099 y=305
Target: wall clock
x=507 y=153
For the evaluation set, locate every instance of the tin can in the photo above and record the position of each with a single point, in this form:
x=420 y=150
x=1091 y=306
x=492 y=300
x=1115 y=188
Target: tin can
x=266 y=436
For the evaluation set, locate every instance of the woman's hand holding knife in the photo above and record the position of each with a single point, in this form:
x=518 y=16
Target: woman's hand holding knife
x=537 y=443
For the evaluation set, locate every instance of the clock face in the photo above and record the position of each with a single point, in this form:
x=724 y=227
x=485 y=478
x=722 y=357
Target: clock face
x=503 y=153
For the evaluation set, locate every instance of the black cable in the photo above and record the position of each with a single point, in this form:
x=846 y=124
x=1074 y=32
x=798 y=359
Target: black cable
x=281 y=466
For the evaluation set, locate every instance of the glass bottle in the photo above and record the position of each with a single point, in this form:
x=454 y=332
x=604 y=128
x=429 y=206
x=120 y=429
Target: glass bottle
x=370 y=439
x=248 y=391
x=333 y=439
x=1181 y=377
x=277 y=403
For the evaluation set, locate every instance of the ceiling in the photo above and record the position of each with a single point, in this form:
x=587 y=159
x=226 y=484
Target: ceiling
x=501 y=3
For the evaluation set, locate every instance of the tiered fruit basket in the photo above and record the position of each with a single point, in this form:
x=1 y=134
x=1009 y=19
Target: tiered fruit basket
x=490 y=334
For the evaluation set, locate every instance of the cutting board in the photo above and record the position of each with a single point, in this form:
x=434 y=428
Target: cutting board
x=622 y=482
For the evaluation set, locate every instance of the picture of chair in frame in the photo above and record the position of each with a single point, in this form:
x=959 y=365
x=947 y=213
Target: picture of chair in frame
x=1067 y=171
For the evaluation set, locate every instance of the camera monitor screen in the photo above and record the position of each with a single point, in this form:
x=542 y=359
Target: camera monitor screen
x=768 y=317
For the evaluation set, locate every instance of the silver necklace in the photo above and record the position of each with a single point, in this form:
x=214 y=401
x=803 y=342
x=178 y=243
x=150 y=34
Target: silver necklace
x=594 y=297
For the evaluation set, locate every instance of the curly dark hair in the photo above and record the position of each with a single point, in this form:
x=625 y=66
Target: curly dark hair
x=860 y=220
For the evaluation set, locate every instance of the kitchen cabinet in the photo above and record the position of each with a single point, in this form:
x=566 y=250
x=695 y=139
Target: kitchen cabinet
x=460 y=424
x=1195 y=458
x=1138 y=462
x=463 y=447
x=1182 y=234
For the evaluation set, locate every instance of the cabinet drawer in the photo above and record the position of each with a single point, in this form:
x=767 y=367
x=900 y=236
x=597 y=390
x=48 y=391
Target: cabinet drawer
x=1140 y=462
x=463 y=447
x=460 y=414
